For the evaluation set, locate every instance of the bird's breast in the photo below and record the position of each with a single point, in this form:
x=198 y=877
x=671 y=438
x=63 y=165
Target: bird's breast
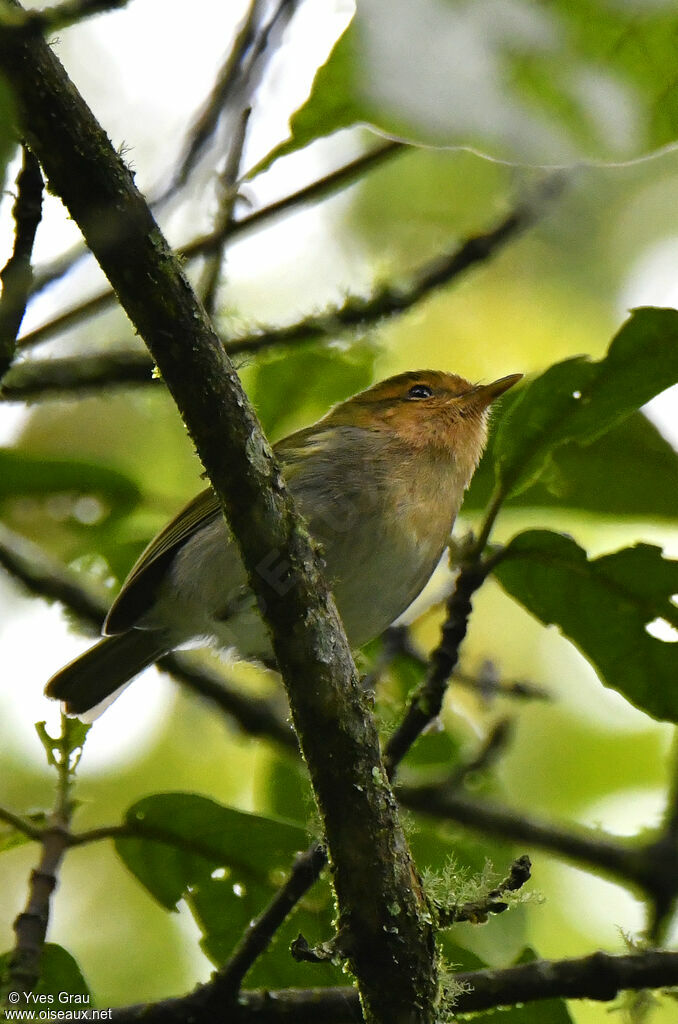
x=382 y=537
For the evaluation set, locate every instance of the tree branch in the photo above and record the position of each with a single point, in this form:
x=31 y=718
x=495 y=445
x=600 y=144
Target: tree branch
x=630 y=864
x=328 y=184
x=599 y=976
x=477 y=911
x=76 y=376
x=30 y=926
x=370 y=872
x=17 y=274
x=355 y=312
x=49 y=19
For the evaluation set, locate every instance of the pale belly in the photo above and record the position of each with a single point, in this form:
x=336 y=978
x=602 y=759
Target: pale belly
x=374 y=579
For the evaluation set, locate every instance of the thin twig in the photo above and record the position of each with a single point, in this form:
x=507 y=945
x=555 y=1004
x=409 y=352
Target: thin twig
x=426 y=702
x=30 y=927
x=236 y=78
x=355 y=312
x=599 y=976
x=206 y=122
x=17 y=274
x=477 y=911
x=389 y=301
x=494 y=744
x=70 y=12
x=76 y=376
x=664 y=850
x=224 y=220
x=20 y=824
x=341 y=178
x=305 y=870
x=397 y=643
x=487 y=685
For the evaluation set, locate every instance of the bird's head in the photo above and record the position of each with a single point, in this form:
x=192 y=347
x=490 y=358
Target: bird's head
x=426 y=410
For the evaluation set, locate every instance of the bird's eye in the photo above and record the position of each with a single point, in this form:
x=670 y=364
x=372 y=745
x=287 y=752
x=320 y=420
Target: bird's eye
x=420 y=391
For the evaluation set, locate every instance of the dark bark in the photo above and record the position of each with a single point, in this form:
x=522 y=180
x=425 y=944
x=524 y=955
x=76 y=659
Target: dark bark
x=372 y=867
x=599 y=976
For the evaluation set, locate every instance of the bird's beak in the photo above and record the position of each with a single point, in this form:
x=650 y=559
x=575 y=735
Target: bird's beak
x=483 y=394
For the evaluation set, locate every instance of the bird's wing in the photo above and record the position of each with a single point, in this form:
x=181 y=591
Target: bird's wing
x=294 y=450
x=138 y=591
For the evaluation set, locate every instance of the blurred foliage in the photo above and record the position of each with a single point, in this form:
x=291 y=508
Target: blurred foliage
x=7 y=132
x=278 y=384
x=532 y=83
x=91 y=480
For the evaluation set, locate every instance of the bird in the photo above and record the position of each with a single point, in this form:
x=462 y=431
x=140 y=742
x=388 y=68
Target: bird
x=379 y=479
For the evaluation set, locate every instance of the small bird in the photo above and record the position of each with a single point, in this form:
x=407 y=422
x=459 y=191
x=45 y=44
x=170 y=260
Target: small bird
x=380 y=480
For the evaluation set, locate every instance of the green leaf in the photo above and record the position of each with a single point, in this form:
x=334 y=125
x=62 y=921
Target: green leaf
x=331 y=105
x=59 y=975
x=596 y=478
x=227 y=865
x=564 y=81
x=23 y=473
x=11 y=837
x=310 y=378
x=605 y=606
x=224 y=908
x=66 y=746
x=180 y=839
x=579 y=400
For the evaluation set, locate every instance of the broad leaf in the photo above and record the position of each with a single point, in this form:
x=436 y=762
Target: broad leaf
x=533 y=83
x=60 y=976
x=227 y=865
x=579 y=400
x=180 y=839
x=596 y=478
x=605 y=606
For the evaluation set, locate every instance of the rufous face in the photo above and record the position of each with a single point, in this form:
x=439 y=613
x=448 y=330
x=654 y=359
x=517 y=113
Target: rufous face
x=424 y=407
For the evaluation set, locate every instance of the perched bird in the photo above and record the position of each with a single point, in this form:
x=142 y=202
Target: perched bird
x=380 y=480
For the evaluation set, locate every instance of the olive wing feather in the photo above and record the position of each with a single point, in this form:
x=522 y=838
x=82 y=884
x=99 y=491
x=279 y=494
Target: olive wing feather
x=138 y=591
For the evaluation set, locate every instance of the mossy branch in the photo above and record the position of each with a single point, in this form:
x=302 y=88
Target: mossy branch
x=371 y=860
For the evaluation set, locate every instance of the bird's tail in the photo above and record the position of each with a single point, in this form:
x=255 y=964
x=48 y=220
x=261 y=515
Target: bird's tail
x=105 y=669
